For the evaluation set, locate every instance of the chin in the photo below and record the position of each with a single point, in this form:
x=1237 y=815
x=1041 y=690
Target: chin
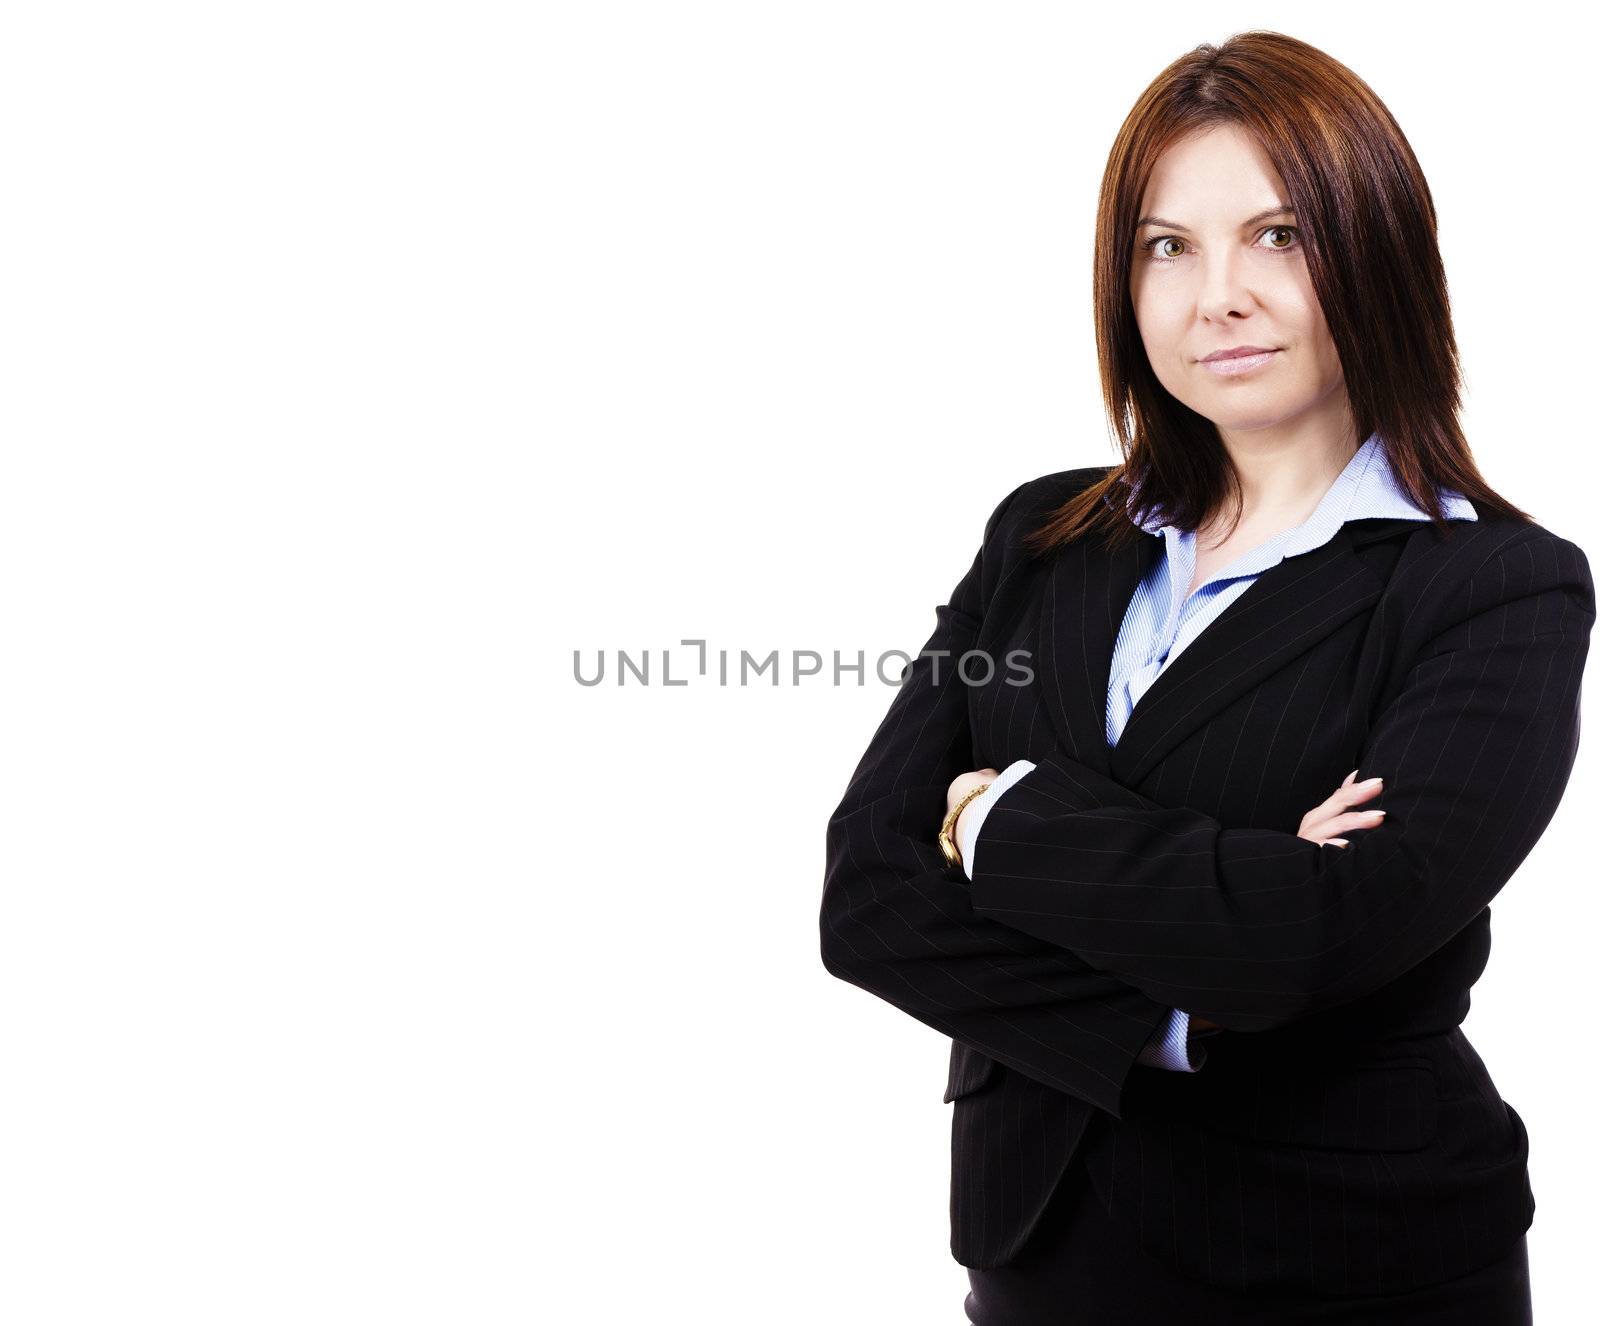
x=1249 y=420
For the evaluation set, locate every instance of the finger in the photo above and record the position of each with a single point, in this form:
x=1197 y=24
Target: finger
x=1354 y=819
x=1352 y=793
x=1349 y=776
x=1338 y=842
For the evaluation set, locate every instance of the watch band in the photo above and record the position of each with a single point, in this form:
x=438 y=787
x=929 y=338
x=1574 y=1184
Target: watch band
x=947 y=839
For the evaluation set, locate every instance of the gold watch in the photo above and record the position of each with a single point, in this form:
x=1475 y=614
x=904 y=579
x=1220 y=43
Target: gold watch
x=947 y=838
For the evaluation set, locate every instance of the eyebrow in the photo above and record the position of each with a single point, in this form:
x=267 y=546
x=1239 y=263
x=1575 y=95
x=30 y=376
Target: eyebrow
x=1279 y=210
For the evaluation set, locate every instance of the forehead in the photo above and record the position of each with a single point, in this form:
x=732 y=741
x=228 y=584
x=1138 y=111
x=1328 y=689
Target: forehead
x=1220 y=174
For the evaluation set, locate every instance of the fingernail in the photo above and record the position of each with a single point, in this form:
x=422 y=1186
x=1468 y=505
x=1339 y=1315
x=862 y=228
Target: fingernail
x=1340 y=842
x=1371 y=782
x=1377 y=812
x=1351 y=774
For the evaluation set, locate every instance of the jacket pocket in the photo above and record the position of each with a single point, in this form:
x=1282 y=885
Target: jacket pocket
x=1389 y=1106
x=969 y=1070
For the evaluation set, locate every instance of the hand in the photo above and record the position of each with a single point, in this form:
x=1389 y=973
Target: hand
x=960 y=785
x=1334 y=815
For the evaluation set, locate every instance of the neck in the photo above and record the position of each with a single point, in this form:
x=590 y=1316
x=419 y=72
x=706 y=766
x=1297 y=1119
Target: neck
x=1284 y=473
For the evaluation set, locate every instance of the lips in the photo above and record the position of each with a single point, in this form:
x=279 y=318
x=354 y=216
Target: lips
x=1236 y=363
x=1238 y=352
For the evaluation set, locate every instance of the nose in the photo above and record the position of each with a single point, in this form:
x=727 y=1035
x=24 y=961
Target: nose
x=1223 y=291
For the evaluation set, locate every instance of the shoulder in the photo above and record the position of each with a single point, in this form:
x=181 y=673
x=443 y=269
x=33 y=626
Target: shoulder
x=1477 y=551
x=1003 y=557
x=1027 y=504
x=1514 y=570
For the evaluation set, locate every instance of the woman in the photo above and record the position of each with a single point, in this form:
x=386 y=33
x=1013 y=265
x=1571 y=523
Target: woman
x=1185 y=823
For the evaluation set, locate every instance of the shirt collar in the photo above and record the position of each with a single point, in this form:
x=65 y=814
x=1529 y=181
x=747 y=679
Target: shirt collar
x=1366 y=487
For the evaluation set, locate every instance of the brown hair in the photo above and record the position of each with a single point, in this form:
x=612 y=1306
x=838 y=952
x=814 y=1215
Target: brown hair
x=1369 y=232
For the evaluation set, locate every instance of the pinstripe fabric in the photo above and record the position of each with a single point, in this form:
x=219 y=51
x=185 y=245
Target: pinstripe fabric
x=1162 y=619
x=1344 y=1137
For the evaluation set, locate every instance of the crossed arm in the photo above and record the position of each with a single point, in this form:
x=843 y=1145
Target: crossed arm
x=898 y=921
x=1093 y=912
x=1255 y=928
x=1174 y=1046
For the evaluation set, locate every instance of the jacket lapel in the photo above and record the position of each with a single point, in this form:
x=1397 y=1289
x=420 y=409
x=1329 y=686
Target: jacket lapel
x=1087 y=592
x=1286 y=611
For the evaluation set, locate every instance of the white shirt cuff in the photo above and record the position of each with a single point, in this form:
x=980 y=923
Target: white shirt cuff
x=973 y=816
x=1173 y=1049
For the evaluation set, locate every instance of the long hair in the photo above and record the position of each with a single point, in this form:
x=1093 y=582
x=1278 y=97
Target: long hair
x=1370 y=236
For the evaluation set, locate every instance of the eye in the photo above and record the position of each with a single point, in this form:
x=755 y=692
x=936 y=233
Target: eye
x=1149 y=246
x=1165 y=255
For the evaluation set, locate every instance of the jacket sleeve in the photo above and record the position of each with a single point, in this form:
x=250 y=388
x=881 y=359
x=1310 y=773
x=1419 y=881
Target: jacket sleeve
x=1254 y=928
x=897 y=921
x=1172 y=1047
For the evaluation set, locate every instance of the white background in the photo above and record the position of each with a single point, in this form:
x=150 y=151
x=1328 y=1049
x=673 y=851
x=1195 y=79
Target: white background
x=363 y=362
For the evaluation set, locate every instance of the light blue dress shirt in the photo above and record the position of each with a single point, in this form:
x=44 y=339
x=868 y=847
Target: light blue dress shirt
x=1160 y=623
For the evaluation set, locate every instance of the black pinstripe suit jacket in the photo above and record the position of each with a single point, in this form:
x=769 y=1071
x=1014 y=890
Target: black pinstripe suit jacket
x=1343 y=1136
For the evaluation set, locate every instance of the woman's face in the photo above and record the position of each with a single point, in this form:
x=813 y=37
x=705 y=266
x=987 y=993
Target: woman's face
x=1222 y=268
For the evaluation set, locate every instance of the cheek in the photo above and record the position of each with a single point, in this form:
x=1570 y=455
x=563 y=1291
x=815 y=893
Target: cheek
x=1160 y=325
x=1328 y=355
x=1304 y=323
x=1303 y=314
x=1322 y=356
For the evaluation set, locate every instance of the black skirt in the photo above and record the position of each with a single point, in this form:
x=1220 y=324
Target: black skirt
x=1082 y=1269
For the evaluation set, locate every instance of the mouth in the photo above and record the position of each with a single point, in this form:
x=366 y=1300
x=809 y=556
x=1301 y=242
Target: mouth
x=1233 y=363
